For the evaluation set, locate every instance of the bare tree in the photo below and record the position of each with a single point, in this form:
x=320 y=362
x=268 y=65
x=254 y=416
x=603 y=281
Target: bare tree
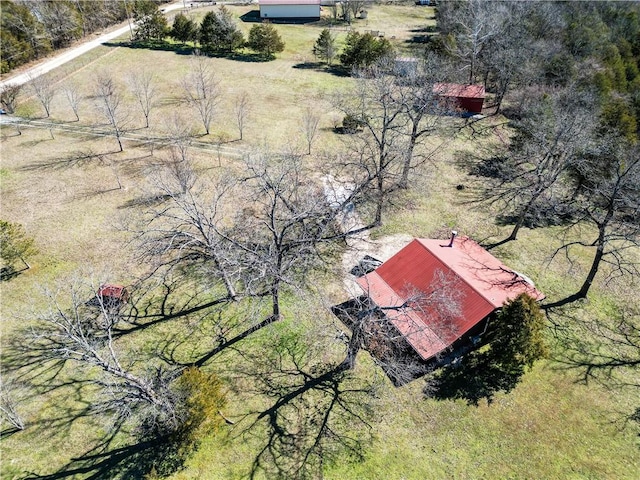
x=309 y=127
x=608 y=194
x=472 y=25
x=509 y=58
x=143 y=86
x=252 y=253
x=355 y=7
x=78 y=329
x=44 y=91
x=8 y=404
x=242 y=110
x=201 y=90
x=181 y=167
x=60 y=20
x=528 y=183
x=377 y=155
x=72 y=92
x=423 y=110
x=110 y=105
x=371 y=328
x=9 y=97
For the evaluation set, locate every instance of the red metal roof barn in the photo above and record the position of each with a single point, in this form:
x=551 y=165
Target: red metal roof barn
x=482 y=281
x=465 y=97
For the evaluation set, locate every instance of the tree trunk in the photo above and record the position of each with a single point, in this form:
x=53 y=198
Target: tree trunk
x=404 y=179
x=355 y=343
x=582 y=293
x=523 y=213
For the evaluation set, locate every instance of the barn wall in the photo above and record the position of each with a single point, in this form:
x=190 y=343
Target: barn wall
x=472 y=105
x=289 y=11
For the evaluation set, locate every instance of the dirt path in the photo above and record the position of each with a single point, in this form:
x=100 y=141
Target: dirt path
x=360 y=244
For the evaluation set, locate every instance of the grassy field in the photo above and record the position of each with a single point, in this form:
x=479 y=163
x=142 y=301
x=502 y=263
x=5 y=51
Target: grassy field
x=65 y=192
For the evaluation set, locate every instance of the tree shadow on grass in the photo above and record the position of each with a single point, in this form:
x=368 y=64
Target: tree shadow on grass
x=473 y=379
x=9 y=273
x=180 y=49
x=337 y=70
x=137 y=460
x=45 y=374
x=74 y=159
x=604 y=349
x=318 y=414
x=251 y=57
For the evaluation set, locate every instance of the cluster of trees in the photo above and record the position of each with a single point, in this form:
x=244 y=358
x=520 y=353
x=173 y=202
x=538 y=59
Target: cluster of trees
x=514 y=45
x=219 y=34
x=566 y=77
x=562 y=169
x=232 y=270
x=112 y=99
x=32 y=29
x=360 y=49
x=229 y=253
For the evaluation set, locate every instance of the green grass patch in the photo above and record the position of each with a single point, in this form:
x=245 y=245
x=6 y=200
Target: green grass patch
x=65 y=193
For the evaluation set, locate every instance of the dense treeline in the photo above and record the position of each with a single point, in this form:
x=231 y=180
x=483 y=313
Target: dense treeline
x=32 y=29
x=513 y=45
x=568 y=74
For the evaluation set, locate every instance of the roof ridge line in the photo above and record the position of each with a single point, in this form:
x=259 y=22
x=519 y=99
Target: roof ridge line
x=457 y=274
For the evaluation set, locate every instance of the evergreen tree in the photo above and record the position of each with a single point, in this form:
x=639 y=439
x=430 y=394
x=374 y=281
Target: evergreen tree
x=363 y=50
x=265 y=40
x=150 y=21
x=515 y=342
x=516 y=337
x=14 y=245
x=219 y=32
x=23 y=36
x=325 y=46
x=184 y=29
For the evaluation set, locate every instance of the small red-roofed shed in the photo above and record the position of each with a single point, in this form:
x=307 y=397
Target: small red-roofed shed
x=113 y=294
x=469 y=98
x=482 y=282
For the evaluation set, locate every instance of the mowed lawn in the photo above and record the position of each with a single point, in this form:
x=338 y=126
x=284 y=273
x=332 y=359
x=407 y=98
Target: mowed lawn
x=65 y=192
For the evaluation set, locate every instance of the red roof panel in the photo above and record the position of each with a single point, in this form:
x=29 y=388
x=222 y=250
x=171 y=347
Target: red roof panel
x=458 y=90
x=113 y=291
x=479 y=282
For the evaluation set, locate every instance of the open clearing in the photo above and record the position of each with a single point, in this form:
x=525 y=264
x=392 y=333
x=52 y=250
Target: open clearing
x=65 y=192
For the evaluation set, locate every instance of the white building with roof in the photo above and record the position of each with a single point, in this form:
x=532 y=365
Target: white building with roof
x=289 y=9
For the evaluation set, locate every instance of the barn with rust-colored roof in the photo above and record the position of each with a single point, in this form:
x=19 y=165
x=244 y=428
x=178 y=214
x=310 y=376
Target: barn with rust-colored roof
x=469 y=98
x=481 y=284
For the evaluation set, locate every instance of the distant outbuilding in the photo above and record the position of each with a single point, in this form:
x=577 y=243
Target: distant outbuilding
x=290 y=9
x=468 y=98
x=111 y=295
